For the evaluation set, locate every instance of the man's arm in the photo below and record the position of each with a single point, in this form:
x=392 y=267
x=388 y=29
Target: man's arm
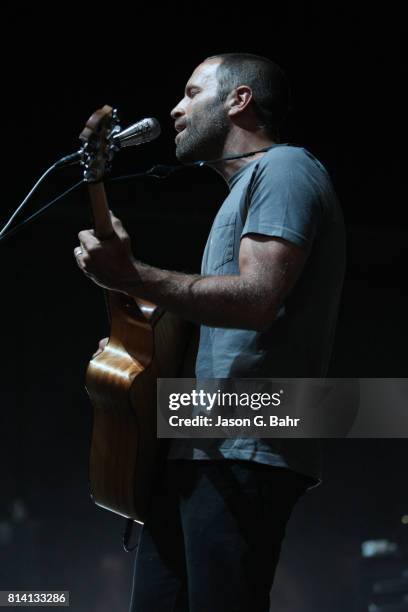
x=268 y=269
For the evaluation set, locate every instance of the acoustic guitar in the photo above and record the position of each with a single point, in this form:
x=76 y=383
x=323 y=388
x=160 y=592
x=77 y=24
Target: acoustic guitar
x=144 y=343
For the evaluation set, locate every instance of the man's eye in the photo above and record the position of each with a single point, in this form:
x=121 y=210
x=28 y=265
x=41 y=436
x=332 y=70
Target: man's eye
x=193 y=92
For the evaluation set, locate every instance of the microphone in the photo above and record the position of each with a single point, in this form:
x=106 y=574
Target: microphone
x=138 y=133
x=143 y=131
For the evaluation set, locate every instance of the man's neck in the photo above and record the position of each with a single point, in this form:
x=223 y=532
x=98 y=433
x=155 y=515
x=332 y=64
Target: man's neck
x=239 y=146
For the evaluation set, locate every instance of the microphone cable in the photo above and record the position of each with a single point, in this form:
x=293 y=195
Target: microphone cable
x=63 y=161
x=42 y=210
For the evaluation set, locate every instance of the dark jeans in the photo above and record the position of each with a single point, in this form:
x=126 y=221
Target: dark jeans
x=212 y=539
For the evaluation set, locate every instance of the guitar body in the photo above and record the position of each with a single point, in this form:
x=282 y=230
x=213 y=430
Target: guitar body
x=121 y=382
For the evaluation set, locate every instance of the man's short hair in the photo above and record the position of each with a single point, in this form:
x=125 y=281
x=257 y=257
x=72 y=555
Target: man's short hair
x=267 y=80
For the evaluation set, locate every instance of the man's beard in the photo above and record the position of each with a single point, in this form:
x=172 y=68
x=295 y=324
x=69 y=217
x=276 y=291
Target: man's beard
x=204 y=135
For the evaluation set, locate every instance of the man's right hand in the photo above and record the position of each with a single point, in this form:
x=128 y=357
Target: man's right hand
x=101 y=346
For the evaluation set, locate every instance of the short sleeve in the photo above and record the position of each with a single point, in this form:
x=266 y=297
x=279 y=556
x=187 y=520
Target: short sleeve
x=284 y=197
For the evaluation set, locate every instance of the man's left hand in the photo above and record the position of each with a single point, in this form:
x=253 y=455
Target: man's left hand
x=109 y=263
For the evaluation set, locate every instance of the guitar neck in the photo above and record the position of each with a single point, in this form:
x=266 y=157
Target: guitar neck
x=103 y=230
x=100 y=211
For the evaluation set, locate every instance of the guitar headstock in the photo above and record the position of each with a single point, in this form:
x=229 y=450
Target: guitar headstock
x=98 y=146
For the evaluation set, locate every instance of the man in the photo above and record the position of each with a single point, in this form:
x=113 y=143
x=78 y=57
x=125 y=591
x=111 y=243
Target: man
x=266 y=301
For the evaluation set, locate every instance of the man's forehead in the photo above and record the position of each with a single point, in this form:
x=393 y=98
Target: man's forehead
x=205 y=73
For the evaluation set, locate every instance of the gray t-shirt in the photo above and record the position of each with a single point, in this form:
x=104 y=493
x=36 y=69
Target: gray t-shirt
x=286 y=193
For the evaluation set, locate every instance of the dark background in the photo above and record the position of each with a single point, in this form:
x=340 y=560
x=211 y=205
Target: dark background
x=60 y=66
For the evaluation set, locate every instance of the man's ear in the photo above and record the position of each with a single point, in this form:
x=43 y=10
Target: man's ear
x=238 y=99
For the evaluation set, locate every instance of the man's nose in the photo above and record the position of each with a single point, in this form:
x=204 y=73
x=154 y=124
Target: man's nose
x=177 y=111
